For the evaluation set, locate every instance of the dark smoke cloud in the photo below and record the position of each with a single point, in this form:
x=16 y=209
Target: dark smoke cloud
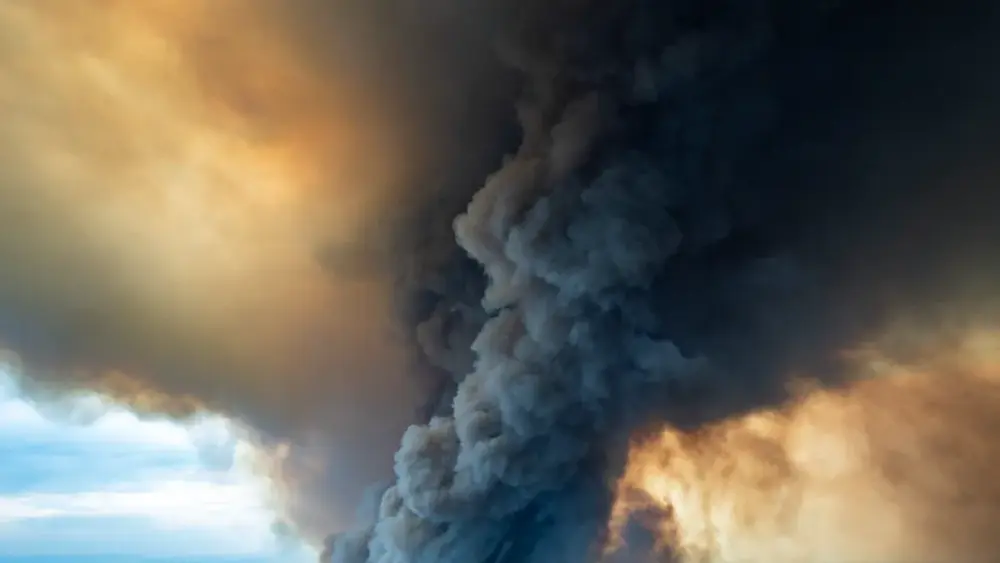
x=708 y=197
x=698 y=199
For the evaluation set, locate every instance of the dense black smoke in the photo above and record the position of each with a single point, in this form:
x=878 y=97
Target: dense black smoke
x=590 y=216
x=707 y=198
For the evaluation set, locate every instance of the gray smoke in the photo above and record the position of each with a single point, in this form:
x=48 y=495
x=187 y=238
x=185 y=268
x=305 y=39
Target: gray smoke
x=706 y=197
x=690 y=201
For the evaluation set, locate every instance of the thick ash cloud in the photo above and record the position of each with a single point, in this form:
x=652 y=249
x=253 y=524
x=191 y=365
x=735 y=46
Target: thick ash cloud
x=708 y=198
x=699 y=199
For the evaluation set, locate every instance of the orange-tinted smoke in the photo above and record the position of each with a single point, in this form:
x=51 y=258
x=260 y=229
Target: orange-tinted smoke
x=168 y=170
x=898 y=466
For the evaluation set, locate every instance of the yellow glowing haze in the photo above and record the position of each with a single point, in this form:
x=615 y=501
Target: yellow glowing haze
x=896 y=467
x=168 y=170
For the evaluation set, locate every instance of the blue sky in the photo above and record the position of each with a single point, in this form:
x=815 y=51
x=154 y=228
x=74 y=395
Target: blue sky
x=98 y=485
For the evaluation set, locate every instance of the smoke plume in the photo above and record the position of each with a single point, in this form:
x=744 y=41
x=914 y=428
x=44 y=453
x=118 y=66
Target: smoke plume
x=896 y=467
x=707 y=198
x=211 y=206
x=548 y=226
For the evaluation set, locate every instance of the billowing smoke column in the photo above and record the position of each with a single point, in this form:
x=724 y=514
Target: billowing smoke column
x=707 y=197
x=699 y=200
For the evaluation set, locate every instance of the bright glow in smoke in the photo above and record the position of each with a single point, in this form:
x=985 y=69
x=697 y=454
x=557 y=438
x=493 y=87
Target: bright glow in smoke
x=893 y=468
x=179 y=192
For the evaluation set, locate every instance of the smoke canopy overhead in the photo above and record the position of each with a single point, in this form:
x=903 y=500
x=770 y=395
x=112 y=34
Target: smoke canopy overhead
x=202 y=206
x=586 y=219
x=703 y=204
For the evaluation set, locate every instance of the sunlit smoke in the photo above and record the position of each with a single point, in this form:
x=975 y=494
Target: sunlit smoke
x=170 y=172
x=229 y=206
x=897 y=466
x=177 y=203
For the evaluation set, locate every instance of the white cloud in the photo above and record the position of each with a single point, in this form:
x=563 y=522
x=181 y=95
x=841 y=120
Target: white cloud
x=19 y=415
x=172 y=505
x=191 y=487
